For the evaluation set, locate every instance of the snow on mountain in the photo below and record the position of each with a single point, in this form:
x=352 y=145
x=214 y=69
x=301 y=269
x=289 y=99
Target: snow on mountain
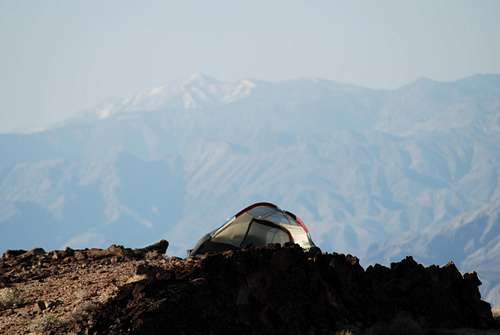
x=197 y=92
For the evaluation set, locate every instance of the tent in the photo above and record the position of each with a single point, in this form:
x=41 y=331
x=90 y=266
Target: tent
x=257 y=225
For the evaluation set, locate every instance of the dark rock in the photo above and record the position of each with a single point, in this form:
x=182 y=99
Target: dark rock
x=282 y=290
x=199 y=281
x=451 y=271
x=42 y=305
x=68 y=252
x=61 y=254
x=283 y=258
x=160 y=246
x=472 y=279
x=36 y=252
x=153 y=255
x=272 y=290
x=95 y=253
x=313 y=252
x=147 y=270
x=80 y=255
x=9 y=254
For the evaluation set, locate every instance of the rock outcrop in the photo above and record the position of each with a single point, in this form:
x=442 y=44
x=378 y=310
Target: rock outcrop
x=274 y=290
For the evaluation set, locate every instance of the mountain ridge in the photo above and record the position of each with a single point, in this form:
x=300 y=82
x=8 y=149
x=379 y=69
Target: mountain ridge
x=202 y=77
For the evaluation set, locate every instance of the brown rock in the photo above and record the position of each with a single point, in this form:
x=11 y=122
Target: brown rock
x=9 y=254
x=80 y=255
x=160 y=246
x=96 y=253
x=116 y=250
x=37 y=251
x=42 y=305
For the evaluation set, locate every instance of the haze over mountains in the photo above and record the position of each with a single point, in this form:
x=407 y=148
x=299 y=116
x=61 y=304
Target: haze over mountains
x=377 y=173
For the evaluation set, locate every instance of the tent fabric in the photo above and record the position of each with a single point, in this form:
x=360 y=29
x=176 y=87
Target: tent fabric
x=255 y=226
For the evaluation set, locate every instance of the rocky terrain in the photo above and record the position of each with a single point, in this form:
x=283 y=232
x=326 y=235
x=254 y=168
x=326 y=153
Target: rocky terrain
x=472 y=240
x=274 y=290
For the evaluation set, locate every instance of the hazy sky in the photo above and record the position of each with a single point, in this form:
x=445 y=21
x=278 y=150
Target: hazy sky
x=60 y=57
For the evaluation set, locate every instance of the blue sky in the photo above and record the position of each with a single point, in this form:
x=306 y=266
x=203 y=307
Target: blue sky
x=61 y=57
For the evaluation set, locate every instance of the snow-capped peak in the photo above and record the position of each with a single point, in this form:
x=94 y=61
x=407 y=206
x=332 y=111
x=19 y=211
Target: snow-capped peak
x=200 y=79
x=156 y=90
x=196 y=92
x=242 y=89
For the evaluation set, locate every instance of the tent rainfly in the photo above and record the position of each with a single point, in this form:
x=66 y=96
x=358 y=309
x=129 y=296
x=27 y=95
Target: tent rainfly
x=257 y=225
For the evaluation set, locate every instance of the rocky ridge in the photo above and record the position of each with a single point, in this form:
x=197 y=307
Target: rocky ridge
x=273 y=290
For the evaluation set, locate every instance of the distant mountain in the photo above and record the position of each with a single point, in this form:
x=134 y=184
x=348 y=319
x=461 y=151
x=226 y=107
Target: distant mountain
x=362 y=167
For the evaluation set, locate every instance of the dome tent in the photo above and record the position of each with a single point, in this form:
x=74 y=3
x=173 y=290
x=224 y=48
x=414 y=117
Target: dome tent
x=257 y=225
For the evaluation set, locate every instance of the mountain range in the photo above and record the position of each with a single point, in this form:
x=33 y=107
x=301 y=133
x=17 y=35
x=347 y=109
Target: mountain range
x=376 y=173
